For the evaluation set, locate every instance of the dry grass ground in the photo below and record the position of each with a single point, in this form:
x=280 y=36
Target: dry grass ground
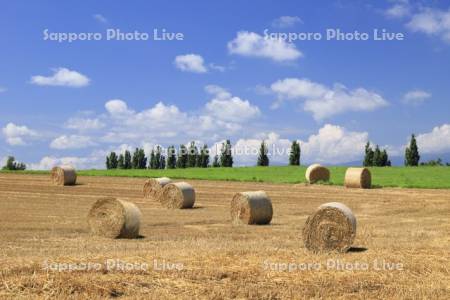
x=40 y=222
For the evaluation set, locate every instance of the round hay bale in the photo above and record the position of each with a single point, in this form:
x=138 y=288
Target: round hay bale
x=64 y=175
x=113 y=218
x=178 y=195
x=153 y=187
x=331 y=228
x=358 y=178
x=251 y=208
x=316 y=172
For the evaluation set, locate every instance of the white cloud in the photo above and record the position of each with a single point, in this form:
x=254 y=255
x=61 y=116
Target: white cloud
x=84 y=124
x=16 y=135
x=436 y=141
x=191 y=63
x=71 y=142
x=252 y=44
x=62 y=77
x=333 y=145
x=95 y=161
x=117 y=107
x=324 y=102
x=416 y=97
x=399 y=10
x=100 y=18
x=245 y=151
x=225 y=107
x=431 y=21
x=286 y=21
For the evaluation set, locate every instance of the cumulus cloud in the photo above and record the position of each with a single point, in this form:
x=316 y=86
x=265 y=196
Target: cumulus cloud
x=191 y=63
x=62 y=77
x=333 y=145
x=95 y=161
x=286 y=21
x=226 y=107
x=117 y=107
x=324 y=102
x=436 y=141
x=84 y=124
x=399 y=9
x=416 y=97
x=432 y=22
x=254 y=45
x=17 y=135
x=71 y=142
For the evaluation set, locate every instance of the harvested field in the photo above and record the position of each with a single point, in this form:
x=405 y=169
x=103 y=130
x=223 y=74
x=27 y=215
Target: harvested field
x=197 y=253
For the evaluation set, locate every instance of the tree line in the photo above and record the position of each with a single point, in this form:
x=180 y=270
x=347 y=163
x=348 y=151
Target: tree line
x=188 y=157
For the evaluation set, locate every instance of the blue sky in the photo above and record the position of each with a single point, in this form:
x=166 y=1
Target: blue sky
x=74 y=102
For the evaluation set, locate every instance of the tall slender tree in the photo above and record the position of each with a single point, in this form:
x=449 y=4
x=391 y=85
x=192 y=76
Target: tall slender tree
x=192 y=155
x=226 y=157
x=216 y=162
x=368 y=157
x=127 y=160
x=263 y=158
x=294 y=156
x=121 y=162
x=182 y=159
x=171 y=158
x=412 y=156
x=112 y=161
x=152 y=163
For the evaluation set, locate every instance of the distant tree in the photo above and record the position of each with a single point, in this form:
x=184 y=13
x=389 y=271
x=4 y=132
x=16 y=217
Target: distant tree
x=385 y=162
x=171 y=158
x=216 y=162
x=152 y=163
x=162 y=164
x=182 y=160
x=369 y=155
x=192 y=155
x=108 y=164
x=142 y=159
x=158 y=157
x=412 y=156
x=12 y=165
x=377 y=157
x=121 y=162
x=135 y=160
x=204 y=157
x=433 y=163
x=294 y=156
x=263 y=159
x=113 y=160
x=127 y=160
x=226 y=157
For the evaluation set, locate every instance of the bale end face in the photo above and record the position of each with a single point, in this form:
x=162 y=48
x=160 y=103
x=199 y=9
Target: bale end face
x=331 y=228
x=63 y=175
x=178 y=195
x=316 y=172
x=153 y=188
x=114 y=218
x=252 y=208
x=358 y=178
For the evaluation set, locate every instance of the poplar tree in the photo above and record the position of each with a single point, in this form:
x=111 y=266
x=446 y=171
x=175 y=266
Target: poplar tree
x=294 y=156
x=263 y=159
x=412 y=155
x=171 y=158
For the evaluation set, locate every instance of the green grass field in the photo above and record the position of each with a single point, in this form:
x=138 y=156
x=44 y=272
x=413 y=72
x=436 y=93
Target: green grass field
x=407 y=177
